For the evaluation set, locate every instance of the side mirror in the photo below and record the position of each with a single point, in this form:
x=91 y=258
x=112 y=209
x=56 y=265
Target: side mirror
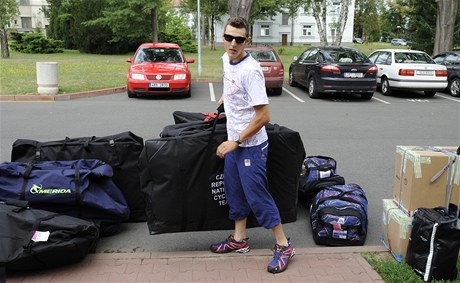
x=129 y=60
x=190 y=60
x=295 y=58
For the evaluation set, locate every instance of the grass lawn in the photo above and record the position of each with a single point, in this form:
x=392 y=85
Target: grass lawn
x=79 y=72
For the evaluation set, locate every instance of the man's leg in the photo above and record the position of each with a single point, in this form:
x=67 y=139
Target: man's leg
x=279 y=235
x=240 y=230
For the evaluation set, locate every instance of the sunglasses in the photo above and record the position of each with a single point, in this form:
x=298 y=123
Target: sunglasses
x=230 y=38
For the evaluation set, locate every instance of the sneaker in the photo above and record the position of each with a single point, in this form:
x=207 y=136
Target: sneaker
x=230 y=245
x=281 y=258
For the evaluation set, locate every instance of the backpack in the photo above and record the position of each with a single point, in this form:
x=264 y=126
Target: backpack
x=318 y=172
x=338 y=216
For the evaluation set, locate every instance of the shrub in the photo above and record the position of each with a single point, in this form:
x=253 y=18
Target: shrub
x=35 y=43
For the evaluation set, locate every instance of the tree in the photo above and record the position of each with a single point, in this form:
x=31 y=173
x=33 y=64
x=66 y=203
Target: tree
x=8 y=11
x=422 y=24
x=292 y=7
x=366 y=22
x=445 y=23
x=240 y=8
x=320 y=10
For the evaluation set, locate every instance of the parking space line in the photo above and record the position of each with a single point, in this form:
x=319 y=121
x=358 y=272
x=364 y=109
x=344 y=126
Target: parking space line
x=211 y=92
x=293 y=95
x=446 y=97
x=381 y=100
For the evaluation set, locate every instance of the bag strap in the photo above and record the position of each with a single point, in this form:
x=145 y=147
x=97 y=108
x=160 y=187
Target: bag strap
x=27 y=243
x=25 y=177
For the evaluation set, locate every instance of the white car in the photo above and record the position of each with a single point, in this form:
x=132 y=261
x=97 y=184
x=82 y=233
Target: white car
x=401 y=69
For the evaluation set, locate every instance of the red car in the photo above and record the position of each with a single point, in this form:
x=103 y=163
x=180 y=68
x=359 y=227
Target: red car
x=271 y=66
x=159 y=68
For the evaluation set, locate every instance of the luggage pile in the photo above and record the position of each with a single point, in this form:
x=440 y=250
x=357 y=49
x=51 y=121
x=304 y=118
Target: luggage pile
x=70 y=192
x=420 y=224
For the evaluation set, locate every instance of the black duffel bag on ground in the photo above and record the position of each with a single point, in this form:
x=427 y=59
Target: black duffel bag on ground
x=121 y=151
x=183 y=177
x=34 y=239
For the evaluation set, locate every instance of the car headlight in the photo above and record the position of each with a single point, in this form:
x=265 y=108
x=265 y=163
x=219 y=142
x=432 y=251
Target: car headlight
x=180 y=76
x=138 y=76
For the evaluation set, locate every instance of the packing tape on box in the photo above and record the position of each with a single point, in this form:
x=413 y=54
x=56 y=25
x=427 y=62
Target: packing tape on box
x=391 y=211
x=413 y=155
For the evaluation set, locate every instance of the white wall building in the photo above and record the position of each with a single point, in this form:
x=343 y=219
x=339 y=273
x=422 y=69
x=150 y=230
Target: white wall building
x=31 y=16
x=279 y=29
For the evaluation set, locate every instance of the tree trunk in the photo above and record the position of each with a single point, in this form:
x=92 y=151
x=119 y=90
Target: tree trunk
x=344 y=9
x=241 y=8
x=4 y=43
x=154 y=18
x=292 y=30
x=320 y=21
x=445 y=24
x=213 y=39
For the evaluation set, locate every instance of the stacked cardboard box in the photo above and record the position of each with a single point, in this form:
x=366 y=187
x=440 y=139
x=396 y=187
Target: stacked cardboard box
x=424 y=177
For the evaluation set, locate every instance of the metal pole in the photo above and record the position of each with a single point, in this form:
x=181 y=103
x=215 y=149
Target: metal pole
x=199 y=39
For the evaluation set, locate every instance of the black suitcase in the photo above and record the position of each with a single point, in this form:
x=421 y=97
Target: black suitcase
x=183 y=178
x=121 y=151
x=34 y=239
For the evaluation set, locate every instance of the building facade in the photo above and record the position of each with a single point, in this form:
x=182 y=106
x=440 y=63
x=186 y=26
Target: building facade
x=282 y=30
x=31 y=16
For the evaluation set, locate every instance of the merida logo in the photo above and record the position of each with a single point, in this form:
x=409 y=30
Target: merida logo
x=38 y=189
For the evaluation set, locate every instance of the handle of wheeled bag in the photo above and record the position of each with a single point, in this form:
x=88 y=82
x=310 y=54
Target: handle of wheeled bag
x=457 y=172
x=220 y=110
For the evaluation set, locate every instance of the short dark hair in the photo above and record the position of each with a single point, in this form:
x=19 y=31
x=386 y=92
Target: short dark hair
x=238 y=22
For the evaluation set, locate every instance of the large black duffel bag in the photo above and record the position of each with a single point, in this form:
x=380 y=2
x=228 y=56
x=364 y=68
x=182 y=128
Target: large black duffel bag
x=183 y=177
x=34 y=239
x=121 y=151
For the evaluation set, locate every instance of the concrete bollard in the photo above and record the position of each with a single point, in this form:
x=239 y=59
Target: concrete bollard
x=47 y=78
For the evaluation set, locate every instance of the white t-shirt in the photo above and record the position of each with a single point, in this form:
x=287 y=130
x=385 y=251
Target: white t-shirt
x=244 y=88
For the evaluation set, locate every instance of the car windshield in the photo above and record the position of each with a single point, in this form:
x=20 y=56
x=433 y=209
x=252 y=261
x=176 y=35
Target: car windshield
x=172 y=55
x=263 y=55
x=346 y=56
x=409 y=57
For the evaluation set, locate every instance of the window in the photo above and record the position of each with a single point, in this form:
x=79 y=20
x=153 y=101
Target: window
x=312 y=56
x=306 y=30
x=383 y=58
x=264 y=30
x=453 y=59
x=284 y=19
x=26 y=22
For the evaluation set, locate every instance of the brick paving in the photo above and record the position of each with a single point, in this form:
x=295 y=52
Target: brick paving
x=323 y=264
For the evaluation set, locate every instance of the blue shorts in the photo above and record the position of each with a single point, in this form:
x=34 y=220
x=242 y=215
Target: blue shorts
x=246 y=185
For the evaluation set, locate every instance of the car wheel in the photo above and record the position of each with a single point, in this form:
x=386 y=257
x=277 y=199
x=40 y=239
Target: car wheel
x=367 y=95
x=312 y=91
x=385 y=87
x=430 y=93
x=291 y=79
x=454 y=88
x=131 y=94
x=277 y=91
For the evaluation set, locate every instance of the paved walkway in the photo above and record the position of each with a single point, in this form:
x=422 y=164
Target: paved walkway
x=328 y=264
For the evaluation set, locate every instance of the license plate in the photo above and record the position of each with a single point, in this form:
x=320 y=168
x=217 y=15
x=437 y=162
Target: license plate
x=164 y=85
x=265 y=69
x=425 y=73
x=353 y=75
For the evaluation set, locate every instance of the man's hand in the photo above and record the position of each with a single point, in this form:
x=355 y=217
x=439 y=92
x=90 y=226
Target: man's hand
x=226 y=147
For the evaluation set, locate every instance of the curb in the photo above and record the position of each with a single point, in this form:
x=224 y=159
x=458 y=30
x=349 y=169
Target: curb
x=82 y=94
x=254 y=252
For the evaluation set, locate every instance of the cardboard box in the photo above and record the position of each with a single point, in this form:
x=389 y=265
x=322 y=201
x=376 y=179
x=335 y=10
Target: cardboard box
x=396 y=229
x=422 y=176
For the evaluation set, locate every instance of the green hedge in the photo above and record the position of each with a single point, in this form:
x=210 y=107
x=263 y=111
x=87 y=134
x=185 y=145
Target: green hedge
x=35 y=43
